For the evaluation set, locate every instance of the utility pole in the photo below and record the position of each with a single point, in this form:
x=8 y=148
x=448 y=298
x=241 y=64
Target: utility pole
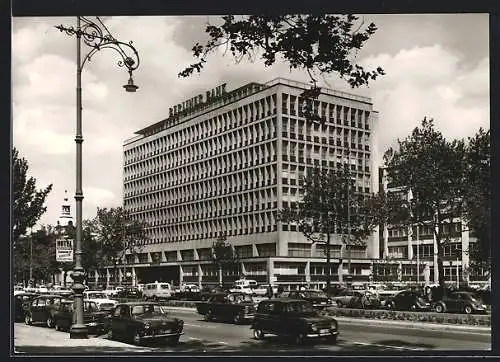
x=31 y=254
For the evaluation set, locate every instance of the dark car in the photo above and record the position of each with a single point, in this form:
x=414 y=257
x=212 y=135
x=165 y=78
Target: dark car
x=318 y=298
x=460 y=302
x=21 y=304
x=42 y=309
x=407 y=300
x=236 y=307
x=293 y=318
x=207 y=292
x=346 y=298
x=141 y=321
x=129 y=292
x=92 y=317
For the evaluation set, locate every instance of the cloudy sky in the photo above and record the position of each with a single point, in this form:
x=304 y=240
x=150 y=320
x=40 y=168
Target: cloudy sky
x=437 y=66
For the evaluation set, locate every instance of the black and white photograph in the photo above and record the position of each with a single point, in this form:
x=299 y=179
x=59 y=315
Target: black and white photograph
x=282 y=184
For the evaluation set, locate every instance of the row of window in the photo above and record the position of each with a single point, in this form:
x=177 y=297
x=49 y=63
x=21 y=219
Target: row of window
x=425 y=230
x=204 y=160
x=147 y=193
x=195 y=230
x=236 y=117
x=294 y=105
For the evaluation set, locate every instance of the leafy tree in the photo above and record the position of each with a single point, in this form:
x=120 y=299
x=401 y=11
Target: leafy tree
x=28 y=202
x=319 y=44
x=223 y=256
x=113 y=233
x=433 y=169
x=329 y=207
x=477 y=193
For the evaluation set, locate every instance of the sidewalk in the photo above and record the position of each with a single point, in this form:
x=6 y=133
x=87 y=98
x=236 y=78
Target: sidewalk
x=39 y=339
x=391 y=323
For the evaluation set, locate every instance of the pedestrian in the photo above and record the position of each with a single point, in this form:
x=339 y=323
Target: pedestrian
x=280 y=290
x=269 y=293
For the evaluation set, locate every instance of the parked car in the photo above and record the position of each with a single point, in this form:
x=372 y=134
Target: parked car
x=318 y=298
x=92 y=317
x=129 y=292
x=263 y=289
x=345 y=297
x=112 y=292
x=460 y=302
x=101 y=299
x=407 y=300
x=141 y=321
x=236 y=307
x=241 y=289
x=293 y=318
x=21 y=304
x=157 y=290
x=41 y=309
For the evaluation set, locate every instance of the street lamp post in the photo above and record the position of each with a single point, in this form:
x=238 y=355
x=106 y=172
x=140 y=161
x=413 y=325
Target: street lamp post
x=97 y=37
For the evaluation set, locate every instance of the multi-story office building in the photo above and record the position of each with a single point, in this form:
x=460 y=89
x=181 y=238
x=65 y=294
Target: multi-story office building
x=227 y=162
x=404 y=250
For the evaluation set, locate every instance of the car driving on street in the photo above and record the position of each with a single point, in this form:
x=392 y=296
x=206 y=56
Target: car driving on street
x=235 y=307
x=293 y=318
x=460 y=302
x=141 y=321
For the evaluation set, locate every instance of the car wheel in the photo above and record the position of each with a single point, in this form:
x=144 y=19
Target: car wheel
x=50 y=322
x=208 y=316
x=439 y=308
x=333 y=339
x=237 y=319
x=155 y=298
x=27 y=320
x=299 y=338
x=136 y=338
x=174 y=340
x=258 y=333
x=111 y=335
x=339 y=304
x=468 y=309
x=390 y=305
x=56 y=326
x=413 y=307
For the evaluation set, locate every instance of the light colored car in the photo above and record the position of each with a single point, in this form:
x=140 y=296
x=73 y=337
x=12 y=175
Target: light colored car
x=112 y=292
x=241 y=289
x=100 y=298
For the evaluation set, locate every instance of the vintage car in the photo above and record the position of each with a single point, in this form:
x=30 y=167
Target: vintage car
x=92 y=317
x=100 y=298
x=129 y=292
x=42 y=309
x=318 y=298
x=295 y=318
x=21 y=304
x=236 y=307
x=407 y=300
x=141 y=321
x=460 y=302
x=346 y=297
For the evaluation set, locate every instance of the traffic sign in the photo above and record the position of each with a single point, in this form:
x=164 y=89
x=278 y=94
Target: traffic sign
x=64 y=250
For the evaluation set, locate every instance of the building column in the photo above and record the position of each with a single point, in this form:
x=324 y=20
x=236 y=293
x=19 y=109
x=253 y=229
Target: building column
x=200 y=275
x=108 y=276
x=435 y=254
x=385 y=236
x=307 y=272
x=181 y=274
x=120 y=275
x=134 y=277
x=270 y=271
x=243 y=269
x=410 y=243
x=465 y=238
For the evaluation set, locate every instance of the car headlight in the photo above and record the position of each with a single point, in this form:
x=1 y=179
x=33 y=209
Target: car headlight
x=313 y=327
x=334 y=325
x=147 y=325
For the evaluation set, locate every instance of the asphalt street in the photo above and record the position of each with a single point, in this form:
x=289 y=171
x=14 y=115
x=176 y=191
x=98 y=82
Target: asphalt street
x=201 y=336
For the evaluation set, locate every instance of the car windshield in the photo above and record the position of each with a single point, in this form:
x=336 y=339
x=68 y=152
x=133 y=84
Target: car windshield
x=298 y=307
x=242 y=298
x=315 y=294
x=165 y=286
x=90 y=307
x=96 y=295
x=106 y=306
x=148 y=309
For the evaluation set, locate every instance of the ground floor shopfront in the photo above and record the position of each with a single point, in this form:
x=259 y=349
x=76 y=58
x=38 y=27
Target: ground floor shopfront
x=289 y=272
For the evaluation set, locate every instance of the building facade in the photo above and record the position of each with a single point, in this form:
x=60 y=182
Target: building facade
x=410 y=253
x=225 y=163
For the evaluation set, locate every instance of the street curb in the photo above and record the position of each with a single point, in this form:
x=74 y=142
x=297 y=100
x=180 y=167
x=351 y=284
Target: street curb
x=396 y=324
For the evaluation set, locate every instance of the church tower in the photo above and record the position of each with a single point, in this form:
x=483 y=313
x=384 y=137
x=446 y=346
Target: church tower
x=65 y=219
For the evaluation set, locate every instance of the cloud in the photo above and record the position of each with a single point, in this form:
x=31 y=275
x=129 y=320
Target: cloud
x=426 y=76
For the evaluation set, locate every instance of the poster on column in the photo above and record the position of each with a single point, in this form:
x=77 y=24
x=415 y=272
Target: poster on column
x=64 y=250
